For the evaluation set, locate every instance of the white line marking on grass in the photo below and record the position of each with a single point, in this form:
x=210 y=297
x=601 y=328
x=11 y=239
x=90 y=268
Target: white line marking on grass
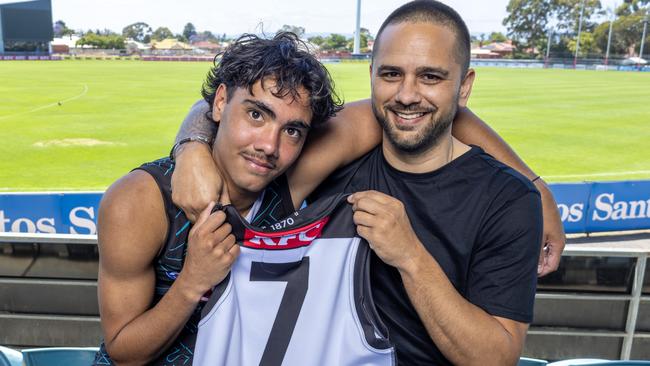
x=608 y=174
x=76 y=142
x=84 y=92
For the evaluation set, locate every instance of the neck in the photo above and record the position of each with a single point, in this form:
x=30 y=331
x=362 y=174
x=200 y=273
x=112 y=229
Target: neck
x=241 y=199
x=446 y=149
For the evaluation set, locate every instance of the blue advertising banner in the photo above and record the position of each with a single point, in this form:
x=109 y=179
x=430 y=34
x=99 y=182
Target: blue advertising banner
x=619 y=206
x=603 y=206
x=572 y=201
x=60 y=213
x=584 y=208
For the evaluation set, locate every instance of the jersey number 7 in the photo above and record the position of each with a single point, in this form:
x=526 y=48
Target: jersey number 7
x=296 y=275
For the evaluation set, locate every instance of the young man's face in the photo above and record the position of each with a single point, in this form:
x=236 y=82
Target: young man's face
x=259 y=135
x=417 y=84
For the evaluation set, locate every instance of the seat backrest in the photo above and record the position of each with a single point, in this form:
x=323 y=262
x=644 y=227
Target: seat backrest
x=595 y=362
x=59 y=356
x=619 y=363
x=10 y=357
x=527 y=361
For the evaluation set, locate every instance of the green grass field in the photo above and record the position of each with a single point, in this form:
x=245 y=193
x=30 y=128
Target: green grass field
x=568 y=125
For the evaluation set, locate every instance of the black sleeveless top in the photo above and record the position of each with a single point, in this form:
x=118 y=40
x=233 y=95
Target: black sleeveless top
x=276 y=204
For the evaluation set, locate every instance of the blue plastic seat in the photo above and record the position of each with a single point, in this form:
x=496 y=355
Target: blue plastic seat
x=578 y=361
x=59 y=356
x=10 y=357
x=620 y=363
x=598 y=362
x=527 y=361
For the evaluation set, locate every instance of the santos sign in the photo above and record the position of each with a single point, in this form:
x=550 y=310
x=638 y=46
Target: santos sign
x=611 y=206
x=584 y=207
x=62 y=213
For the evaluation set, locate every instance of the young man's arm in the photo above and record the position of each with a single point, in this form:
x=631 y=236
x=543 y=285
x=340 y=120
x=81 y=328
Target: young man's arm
x=470 y=129
x=132 y=228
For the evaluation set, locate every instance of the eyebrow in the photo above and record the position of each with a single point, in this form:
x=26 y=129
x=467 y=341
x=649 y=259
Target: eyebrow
x=434 y=70
x=266 y=109
x=298 y=124
x=419 y=70
x=382 y=68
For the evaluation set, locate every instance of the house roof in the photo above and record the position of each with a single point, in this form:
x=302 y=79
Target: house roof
x=170 y=44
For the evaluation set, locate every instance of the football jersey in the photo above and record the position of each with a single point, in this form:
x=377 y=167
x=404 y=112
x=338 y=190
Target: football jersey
x=298 y=294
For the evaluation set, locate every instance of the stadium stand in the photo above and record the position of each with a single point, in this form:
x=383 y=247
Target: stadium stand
x=25 y=27
x=48 y=290
x=598 y=302
x=596 y=305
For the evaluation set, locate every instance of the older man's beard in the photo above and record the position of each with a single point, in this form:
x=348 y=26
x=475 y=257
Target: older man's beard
x=427 y=138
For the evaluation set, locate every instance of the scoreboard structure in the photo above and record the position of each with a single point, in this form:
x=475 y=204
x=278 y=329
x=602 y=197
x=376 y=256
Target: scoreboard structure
x=25 y=26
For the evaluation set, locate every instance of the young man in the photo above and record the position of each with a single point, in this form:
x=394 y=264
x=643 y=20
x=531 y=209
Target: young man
x=155 y=268
x=454 y=232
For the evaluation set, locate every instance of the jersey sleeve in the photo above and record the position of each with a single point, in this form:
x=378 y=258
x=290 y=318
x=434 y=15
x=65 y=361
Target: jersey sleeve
x=503 y=274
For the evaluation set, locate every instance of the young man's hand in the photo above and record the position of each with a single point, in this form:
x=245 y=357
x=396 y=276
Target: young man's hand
x=211 y=252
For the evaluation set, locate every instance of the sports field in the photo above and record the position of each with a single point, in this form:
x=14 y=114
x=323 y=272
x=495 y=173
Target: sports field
x=79 y=125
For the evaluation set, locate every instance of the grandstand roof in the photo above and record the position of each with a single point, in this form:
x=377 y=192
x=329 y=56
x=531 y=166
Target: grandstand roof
x=170 y=44
x=206 y=45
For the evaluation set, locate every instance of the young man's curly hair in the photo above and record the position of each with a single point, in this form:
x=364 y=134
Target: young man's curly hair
x=283 y=58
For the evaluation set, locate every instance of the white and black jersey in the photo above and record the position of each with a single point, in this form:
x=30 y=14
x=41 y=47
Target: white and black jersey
x=298 y=294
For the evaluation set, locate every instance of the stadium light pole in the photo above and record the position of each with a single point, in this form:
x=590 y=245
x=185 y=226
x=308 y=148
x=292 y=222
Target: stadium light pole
x=357 y=33
x=609 y=37
x=548 y=48
x=645 y=27
x=582 y=13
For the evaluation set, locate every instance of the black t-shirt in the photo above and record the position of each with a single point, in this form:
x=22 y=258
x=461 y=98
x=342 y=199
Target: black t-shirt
x=480 y=220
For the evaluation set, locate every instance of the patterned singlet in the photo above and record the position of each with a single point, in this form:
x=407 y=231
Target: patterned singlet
x=275 y=203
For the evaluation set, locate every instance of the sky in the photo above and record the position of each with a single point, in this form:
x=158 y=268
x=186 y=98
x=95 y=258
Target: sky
x=234 y=17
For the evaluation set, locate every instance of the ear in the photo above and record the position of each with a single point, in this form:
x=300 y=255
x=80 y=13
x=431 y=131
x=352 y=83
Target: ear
x=466 y=88
x=220 y=100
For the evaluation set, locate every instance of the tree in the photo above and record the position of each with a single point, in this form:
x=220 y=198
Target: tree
x=297 y=30
x=528 y=20
x=336 y=42
x=567 y=13
x=497 y=37
x=110 y=41
x=587 y=44
x=364 y=37
x=61 y=29
x=161 y=33
x=203 y=36
x=626 y=30
x=188 y=31
x=317 y=40
x=139 y=31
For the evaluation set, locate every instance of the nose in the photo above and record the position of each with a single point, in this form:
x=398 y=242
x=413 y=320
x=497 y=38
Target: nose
x=268 y=141
x=408 y=92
